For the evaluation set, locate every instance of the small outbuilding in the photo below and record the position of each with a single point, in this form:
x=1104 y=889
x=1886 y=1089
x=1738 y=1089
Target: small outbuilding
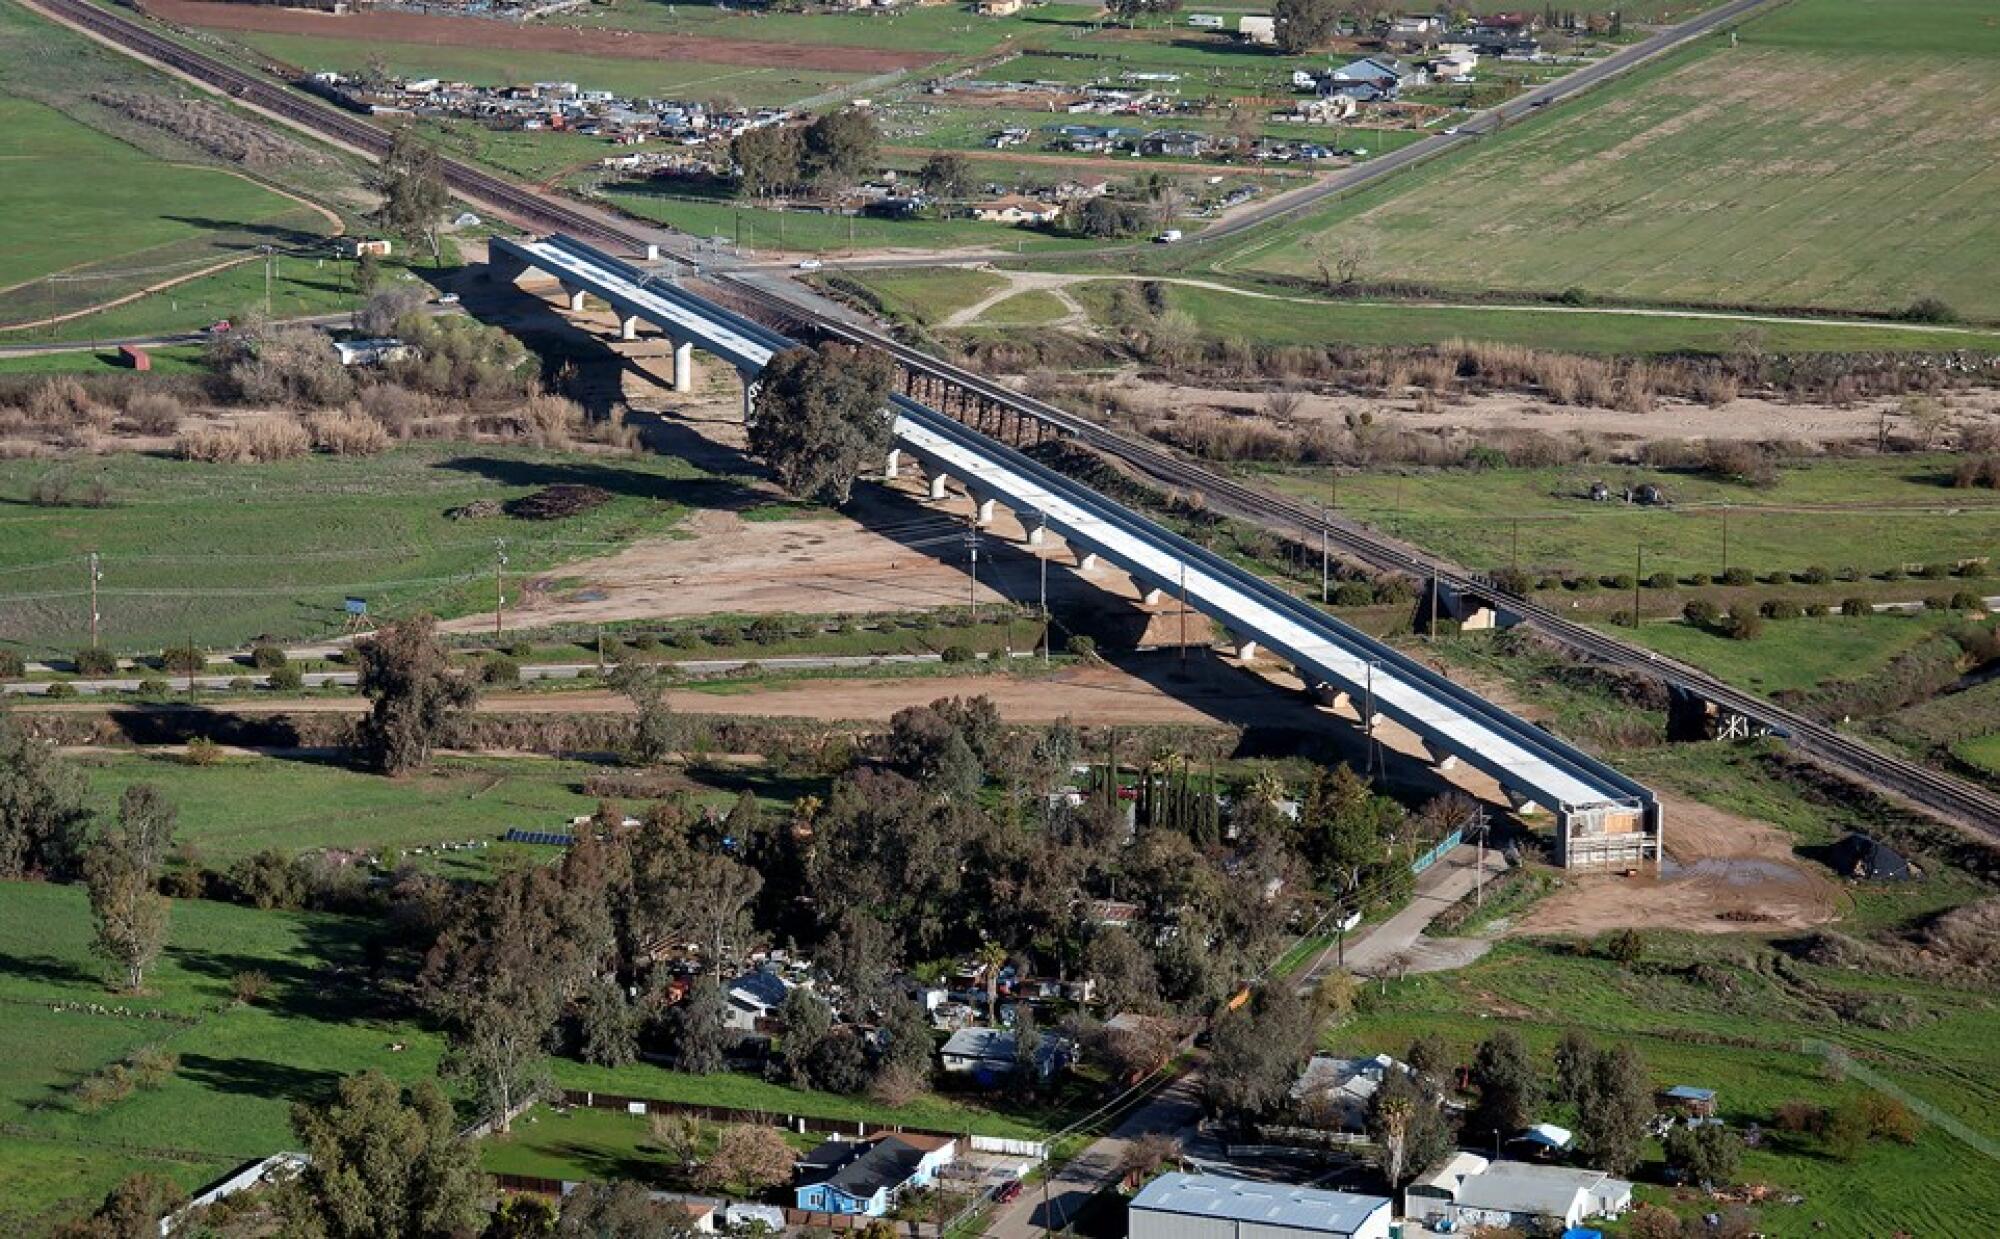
x=1868 y=858
x=1689 y=1100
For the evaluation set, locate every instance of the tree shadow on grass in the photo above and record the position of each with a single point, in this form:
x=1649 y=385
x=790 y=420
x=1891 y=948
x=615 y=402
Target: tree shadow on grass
x=45 y=970
x=256 y=1077
x=601 y=1165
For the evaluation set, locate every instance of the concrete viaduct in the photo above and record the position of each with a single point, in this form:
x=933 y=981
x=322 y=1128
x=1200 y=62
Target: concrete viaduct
x=1603 y=818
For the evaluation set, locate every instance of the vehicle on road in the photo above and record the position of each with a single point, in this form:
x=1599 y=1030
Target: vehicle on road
x=1009 y=1192
x=448 y=299
x=810 y=264
x=219 y=327
x=1168 y=237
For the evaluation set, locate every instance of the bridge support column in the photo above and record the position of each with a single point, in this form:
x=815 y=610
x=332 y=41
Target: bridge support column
x=1440 y=760
x=1331 y=697
x=1523 y=805
x=982 y=511
x=751 y=386
x=628 y=327
x=1246 y=650
x=684 y=376
x=652 y=252
x=893 y=467
x=1087 y=564
x=938 y=481
x=1154 y=597
x=574 y=296
x=1038 y=535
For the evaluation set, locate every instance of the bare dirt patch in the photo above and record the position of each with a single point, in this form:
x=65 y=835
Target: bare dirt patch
x=1747 y=419
x=425 y=30
x=1724 y=874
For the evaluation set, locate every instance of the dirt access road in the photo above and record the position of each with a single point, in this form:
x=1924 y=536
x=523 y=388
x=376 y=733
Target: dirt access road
x=426 y=30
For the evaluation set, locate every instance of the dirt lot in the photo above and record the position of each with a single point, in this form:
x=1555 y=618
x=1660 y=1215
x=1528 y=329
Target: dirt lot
x=423 y=29
x=1751 y=419
x=1724 y=874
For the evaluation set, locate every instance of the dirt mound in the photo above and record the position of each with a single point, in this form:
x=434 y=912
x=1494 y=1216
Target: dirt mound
x=426 y=30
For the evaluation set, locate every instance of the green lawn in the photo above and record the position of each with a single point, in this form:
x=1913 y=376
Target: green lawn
x=1796 y=654
x=1981 y=751
x=222 y=553
x=1872 y=514
x=1739 y=1029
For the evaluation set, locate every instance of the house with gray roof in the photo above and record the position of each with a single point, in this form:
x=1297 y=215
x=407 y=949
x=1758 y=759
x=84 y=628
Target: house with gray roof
x=1468 y=1191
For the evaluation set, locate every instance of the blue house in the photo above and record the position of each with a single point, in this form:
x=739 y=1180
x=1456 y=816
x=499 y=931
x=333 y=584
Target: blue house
x=865 y=1177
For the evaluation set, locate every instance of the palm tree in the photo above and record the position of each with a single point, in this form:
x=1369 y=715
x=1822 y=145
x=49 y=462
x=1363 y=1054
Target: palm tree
x=992 y=955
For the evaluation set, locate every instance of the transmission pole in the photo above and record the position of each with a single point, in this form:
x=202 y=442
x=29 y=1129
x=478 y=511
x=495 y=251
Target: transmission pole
x=1638 y=571
x=972 y=553
x=1323 y=572
x=1042 y=561
x=96 y=574
x=499 y=588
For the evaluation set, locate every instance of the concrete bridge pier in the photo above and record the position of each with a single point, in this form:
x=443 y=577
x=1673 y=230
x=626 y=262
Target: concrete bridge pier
x=1246 y=650
x=1331 y=696
x=684 y=375
x=893 y=467
x=1154 y=597
x=1038 y=535
x=1088 y=563
x=938 y=483
x=751 y=384
x=628 y=327
x=982 y=511
x=574 y=296
x=1522 y=803
x=1440 y=760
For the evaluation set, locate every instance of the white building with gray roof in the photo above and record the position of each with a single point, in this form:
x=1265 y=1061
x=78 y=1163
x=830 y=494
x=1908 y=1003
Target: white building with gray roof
x=1207 y=1206
x=1469 y=1191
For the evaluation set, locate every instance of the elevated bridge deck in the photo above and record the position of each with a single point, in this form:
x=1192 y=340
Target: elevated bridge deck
x=1603 y=816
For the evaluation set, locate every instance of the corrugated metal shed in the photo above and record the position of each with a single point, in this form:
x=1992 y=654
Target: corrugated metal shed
x=1261 y=1205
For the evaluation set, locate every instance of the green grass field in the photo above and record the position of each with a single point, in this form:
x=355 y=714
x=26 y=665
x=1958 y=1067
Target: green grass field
x=1796 y=654
x=1269 y=316
x=756 y=228
x=243 y=805
x=929 y=296
x=96 y=212
x=1840 y=157
x=242 y=1067
x=189 y=550
x=1872 y=514
x=1982 y=751
x=1029 y=309
x=1743 y=1035
x=180 y=360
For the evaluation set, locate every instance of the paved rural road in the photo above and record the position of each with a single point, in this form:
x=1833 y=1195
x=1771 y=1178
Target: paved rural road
x=1442 y=885
x=1176 y=1109
x=529 y=672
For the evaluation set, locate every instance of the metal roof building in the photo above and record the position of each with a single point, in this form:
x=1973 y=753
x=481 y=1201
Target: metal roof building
x=1207 y=1206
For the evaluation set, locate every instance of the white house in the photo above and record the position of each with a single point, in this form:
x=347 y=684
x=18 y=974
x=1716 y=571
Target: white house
x=1469 y=1191
x=754 y=996
x=1263 y=31
x=1207 y=1206
x=1334 y=1093
x=1016 y=209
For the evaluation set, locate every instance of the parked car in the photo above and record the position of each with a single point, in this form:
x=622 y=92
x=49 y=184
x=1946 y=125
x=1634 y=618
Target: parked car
x=219 y=327
x=448 y=299
x=810 y=264
x=1009 y=1192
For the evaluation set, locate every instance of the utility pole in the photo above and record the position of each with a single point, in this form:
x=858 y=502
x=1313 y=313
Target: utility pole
x=1434 y=601
x=1638 y=575
x=600 y=651
x=96 y=575
x=1184 y=610
x=270 y=256
x=1323 y=569
x=1725 y=539
x=1479 y=874
x=1517 y=544
x=1042 y=566
x=499 y=588
x=972 y=553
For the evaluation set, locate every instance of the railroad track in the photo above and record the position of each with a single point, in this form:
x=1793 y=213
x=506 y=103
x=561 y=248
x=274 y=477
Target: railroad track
x=1931 y=790
x=1938 y=793
x=525 y=206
